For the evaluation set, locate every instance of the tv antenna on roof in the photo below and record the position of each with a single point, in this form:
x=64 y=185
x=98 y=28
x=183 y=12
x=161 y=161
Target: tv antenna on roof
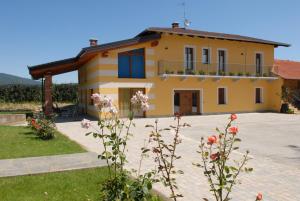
x=186 y=22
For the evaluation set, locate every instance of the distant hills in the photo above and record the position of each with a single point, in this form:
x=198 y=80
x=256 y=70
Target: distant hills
x=7 y=79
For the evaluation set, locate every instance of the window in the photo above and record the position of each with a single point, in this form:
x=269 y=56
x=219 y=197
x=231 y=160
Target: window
x=189 y=58
x=258 y=95
x=258 y=63
x=131 y=64
x=205 y=56
x=177 y=99
x=91 y=100
x=222 y=61
x=221 y=96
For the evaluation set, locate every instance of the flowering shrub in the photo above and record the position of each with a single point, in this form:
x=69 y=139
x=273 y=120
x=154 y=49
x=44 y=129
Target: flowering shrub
x=43 y=126
x=114 y=133
x=221 y=172
x=166 y=154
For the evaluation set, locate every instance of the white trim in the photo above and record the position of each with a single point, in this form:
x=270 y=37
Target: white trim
x=262 y=60
x=226 y=95
x=209 y=54
x=261 y=95
x=194 y=59
x=151 y=107
x=226 y=59
x=149 y=51
x=115 y=85
x=188 y=89
x=108 y=61
x=149 y=63
x=103 y=73
x=220 y=76
x=149 y=74
x=151 y=95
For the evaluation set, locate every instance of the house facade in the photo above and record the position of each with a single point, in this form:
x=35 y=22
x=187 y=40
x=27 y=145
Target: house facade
x=181 y=70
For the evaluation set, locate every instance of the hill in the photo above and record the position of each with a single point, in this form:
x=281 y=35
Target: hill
x=6 y=79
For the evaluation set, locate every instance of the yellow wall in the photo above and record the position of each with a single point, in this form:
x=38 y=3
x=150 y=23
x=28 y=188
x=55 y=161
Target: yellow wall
x=101 y=74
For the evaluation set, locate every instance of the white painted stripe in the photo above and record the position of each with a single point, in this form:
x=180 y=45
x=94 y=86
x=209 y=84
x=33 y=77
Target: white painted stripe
x=151 y=107
x=149 y=74
x=151 y=96
x=92 y=63
x=149 y=63
x=104 y=73
x=108 y=61
x=149 y=51
x=119 y=85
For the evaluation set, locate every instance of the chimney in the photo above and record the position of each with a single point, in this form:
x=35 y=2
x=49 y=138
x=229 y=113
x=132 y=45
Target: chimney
x=93 y=42
x=175 y=25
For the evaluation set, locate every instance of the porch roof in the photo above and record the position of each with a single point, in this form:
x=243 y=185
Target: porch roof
x=73 y=63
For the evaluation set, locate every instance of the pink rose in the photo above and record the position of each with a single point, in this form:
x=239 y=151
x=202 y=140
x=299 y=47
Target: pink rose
x=233 y=130
x=259 y=197
x=212 y=139
x=233 y=117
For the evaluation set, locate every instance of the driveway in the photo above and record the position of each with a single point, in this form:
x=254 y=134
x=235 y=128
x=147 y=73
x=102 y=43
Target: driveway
x=272 y=139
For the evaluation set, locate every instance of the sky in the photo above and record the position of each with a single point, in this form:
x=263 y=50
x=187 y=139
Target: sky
x=38 y=31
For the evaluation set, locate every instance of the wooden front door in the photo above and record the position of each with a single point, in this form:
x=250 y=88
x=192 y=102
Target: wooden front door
x=186 y=102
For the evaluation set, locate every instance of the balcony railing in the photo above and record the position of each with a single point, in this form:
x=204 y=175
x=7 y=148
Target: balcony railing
x=213 y=69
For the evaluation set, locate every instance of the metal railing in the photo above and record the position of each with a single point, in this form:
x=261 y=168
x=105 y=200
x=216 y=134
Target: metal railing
x=213 y=69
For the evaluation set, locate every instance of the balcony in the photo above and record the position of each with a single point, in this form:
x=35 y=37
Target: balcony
x=198 y=69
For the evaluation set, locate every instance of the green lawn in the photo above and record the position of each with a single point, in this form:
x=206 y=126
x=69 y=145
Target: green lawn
x=20 y=141
x=77 y=185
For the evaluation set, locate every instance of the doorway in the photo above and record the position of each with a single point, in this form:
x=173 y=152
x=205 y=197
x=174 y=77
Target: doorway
x=125 y=95
x=187 y=102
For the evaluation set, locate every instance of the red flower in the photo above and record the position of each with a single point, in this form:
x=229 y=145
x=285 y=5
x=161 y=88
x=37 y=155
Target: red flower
x=212 y=139
x=259 y=197
x=233 y=117
x=214 y=156
x=233 y=130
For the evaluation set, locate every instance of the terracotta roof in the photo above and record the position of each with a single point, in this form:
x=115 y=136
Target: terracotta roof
x=215 y=35
x=287 y=69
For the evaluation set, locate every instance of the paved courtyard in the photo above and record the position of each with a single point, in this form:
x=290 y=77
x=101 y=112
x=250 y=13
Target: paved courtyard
x=272 y=139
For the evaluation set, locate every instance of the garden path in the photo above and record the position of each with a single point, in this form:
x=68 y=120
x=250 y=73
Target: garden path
x=45 y=164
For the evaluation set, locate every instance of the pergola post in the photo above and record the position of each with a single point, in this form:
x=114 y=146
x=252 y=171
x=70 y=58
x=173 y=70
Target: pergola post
x=48 y=94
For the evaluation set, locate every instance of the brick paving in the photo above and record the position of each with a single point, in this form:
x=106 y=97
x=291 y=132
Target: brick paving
x=273 y=141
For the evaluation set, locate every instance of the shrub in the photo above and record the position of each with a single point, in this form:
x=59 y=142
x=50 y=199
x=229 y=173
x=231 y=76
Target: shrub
x=201 y=72
x=43 y=126
x=169 y=72
x=248 y=74
x=240 y=74
x=222 y=73
x=265 y=75
x=180 y=72
x=231 y=73
x=213 y=73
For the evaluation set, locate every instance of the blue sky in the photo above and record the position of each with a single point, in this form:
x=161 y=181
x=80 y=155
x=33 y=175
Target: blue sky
x=40 y=31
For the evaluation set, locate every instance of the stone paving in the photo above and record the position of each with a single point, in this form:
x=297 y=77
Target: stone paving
x=273 y=141
x=44 y=164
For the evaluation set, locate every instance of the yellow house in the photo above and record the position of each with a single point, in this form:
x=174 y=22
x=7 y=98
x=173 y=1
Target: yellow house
x=181 y=70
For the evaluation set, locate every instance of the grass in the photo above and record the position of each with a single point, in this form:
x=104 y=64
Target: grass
x=20 y=141
x=77 y=185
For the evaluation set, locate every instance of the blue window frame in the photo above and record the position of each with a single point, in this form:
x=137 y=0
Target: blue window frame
x=131 y=64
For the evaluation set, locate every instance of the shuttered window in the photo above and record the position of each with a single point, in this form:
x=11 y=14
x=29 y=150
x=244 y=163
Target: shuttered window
x=221 y=96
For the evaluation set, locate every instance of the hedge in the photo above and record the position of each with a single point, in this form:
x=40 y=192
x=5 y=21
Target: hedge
x=26 y=93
